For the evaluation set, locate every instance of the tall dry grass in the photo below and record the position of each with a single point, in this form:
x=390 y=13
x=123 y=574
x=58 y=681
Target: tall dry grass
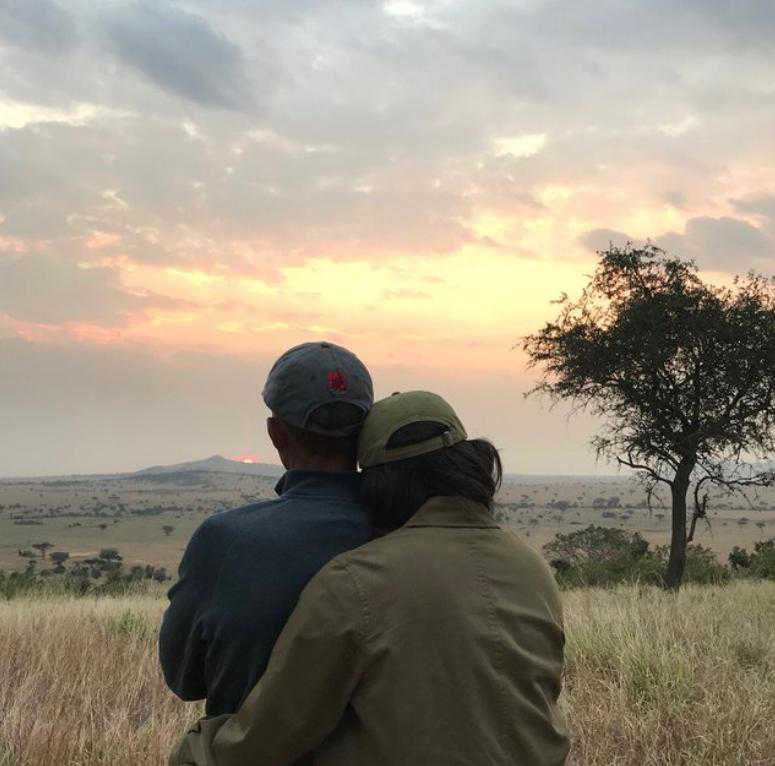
x=80 y=683
x=660 y=678
x=653 y=678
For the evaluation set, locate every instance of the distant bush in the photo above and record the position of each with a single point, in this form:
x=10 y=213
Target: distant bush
x=739 y=559
x=598 y=556
x=763 y=560
x=605 y=557
x=98 y=576
x=759 y=564
x=702 y=565
x=48 y=584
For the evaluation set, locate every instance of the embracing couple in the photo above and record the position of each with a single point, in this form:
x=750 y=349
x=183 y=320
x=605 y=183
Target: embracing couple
x=380 y=618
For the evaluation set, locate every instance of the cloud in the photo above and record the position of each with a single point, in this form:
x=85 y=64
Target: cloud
x=47 y=290
x=761 y=204
x=377 y=128
x=406 y=294
x=42 y=25
x=714 y=24
x=726 y=244
x=50 y=172
x=675 y=198
x=519 y=146
x=181 y=53
x=16 y=114
x=602 y=239
x=408 y=115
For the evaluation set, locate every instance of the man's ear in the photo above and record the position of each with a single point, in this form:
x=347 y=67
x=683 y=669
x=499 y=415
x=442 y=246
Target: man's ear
x=278 y=433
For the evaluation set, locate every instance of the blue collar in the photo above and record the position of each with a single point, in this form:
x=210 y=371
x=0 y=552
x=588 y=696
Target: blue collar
x=345 y=485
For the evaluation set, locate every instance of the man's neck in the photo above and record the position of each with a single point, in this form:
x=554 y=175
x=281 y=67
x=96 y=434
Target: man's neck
x=326 y=465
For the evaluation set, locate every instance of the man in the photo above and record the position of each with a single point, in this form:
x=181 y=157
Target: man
x=438 y=644
x=243 y=570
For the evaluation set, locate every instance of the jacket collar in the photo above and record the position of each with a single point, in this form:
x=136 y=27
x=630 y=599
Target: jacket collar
x=299 y=482
x=452 y=512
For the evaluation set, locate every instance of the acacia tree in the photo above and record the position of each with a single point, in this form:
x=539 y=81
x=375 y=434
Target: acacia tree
x=42 y=547
x=681 y=372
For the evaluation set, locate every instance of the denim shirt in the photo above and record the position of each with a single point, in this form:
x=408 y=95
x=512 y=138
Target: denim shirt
x=240 y=578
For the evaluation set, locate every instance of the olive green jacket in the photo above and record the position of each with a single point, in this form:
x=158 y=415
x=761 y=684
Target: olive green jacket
x=440 y=644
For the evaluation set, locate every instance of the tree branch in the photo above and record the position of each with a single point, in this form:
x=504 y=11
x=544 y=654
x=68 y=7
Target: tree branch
x=630 y=463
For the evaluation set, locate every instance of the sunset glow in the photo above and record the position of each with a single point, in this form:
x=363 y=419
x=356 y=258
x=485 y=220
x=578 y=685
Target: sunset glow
x=421 y=197
x=246 y=459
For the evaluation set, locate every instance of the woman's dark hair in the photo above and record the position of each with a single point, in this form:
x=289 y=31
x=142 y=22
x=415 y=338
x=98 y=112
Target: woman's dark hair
x=393 y=492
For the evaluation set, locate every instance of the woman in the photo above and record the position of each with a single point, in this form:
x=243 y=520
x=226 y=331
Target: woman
x=438 y=644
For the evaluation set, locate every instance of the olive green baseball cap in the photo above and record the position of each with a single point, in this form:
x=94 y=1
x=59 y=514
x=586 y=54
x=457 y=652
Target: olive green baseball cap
x=401 y=409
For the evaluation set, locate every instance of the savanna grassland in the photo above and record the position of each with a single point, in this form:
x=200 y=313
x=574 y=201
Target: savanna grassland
x=81 y=515
x=149 y=518
x=652 y=678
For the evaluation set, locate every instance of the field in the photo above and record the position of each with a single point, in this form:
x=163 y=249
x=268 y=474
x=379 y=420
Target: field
x=534 y=509
x=652 y=678
x=82 y=515
x=85 y=514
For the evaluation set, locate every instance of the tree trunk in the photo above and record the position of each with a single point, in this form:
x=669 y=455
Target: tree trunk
x=677 y=561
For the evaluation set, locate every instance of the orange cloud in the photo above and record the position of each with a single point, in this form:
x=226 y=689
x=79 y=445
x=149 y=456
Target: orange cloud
x=99 y=239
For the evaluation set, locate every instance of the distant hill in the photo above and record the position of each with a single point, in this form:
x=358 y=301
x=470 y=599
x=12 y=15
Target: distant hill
x=214 y=464
x=220 y=464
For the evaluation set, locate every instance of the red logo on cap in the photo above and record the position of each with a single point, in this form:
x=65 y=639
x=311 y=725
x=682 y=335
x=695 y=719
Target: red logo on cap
x=337 y=381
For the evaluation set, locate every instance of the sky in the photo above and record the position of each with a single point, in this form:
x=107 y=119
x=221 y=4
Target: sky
x=189 y=188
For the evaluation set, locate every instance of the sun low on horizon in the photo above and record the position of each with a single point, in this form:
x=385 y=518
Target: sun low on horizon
x=416 y=181
x=247 y=459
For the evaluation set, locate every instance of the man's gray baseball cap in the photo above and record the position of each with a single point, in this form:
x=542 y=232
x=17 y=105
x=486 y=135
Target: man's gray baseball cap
x=311 y=375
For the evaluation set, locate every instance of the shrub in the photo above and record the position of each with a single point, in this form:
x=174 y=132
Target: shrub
x=600 y=556
x=598 y=543
x=763 y=560
x=702 y=566
x=739 y=558
x=604 y=557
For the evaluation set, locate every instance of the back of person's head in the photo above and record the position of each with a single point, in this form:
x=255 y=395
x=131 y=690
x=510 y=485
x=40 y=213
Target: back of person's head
x=316 y=438
x=319 y=395
x=413 y=447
